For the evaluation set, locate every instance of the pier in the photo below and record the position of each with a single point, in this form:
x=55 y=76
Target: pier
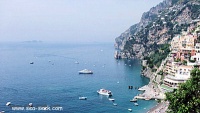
x=149 y=93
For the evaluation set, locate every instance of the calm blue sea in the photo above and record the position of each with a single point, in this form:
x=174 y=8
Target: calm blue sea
x=53 y=79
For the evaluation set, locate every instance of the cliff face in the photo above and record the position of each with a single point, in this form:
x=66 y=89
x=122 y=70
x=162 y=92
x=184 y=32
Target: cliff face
x=157 y=26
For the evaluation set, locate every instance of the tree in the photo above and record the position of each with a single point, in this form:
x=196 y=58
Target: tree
x=186 y=99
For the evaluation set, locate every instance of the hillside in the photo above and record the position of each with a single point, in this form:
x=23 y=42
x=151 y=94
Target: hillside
x=157 y=27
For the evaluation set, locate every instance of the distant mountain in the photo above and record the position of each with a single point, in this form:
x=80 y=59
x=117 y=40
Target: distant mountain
x=158 y=26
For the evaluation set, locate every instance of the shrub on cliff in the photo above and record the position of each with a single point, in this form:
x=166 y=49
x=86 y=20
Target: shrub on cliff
x=186 y=99
x=160 y=53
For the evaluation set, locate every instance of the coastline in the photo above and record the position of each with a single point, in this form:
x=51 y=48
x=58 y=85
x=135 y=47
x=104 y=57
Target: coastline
x=159 y=108
x=153 y=91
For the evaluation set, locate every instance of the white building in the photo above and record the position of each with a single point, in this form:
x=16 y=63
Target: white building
x=182 y=74
x=196 y=57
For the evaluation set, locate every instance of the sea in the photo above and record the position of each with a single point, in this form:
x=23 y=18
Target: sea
x=53 y=85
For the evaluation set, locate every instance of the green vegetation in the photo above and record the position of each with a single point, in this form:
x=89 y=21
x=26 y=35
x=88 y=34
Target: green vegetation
x=183 y=1
x=186 y=99
x=195 y=9
x=154 y=70
x=160 y=52
x=174 y=1
x=160 y=72
x=192 y=61
x=184 y=62
x=155 y=30
x=144 y=67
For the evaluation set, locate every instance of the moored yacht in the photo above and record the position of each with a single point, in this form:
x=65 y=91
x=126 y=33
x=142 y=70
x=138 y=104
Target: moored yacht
x=85 y=71
x=111 y=99
x=8 y=103
x=104 y=92
x=30 y=104
x=133 y=100
x=31 y=62
x=136 y=104
x=82 y=98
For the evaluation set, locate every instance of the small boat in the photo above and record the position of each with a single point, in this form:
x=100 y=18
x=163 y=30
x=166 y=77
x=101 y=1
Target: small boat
x=130 y=110
x=133 y=100
x=136 y=104
x=32 y=63
x=76 y=62
x=8 y=103
x=111 y=99
x=2 y=112
x=85 y=71
x=104 y=92
x=82 y=98
x=114 y=104
x=30 y=104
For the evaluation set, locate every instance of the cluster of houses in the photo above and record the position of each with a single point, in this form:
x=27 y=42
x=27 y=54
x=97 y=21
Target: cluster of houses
x=184 y=56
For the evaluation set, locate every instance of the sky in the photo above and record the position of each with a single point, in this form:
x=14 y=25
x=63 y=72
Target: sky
x=69 y=20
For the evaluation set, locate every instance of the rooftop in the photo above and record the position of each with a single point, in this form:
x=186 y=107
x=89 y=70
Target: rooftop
x=174 y=78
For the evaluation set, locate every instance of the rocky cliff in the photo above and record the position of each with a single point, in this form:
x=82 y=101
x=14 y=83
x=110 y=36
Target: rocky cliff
x=157 y=26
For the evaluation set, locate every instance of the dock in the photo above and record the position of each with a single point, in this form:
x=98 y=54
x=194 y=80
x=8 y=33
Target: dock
x=149 y=93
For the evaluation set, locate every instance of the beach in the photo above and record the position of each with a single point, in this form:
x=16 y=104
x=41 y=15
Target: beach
x=159 y=108
x=153 y=92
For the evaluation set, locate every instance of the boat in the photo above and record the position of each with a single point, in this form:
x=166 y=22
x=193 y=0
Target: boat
x=130 y=110
x=136 y=104
x=31 y=62
x=114 y=104
x=85 y=71
x=8 y=103
x=76 y=62
x=133 y=100
x=30 y=104
x=104 y=92
x=82 y=98
x=111 y=99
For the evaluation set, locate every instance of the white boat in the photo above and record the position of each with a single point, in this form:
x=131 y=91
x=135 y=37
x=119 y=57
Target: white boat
x=30 y=104
x=136 y=104
x=85 y=71
x=76 y=62
x=8 y=103
x=133 y=100
x=104 y=92
x=130 y=110
x=114 y=104
x=82 y=98
x=111 y=99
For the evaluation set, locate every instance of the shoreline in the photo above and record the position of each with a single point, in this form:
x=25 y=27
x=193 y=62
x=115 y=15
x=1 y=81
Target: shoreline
x=153 y=91
x=150 y=92
x=159 y=108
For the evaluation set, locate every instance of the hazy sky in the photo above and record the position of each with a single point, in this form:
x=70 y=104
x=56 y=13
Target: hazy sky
x=69 y=20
